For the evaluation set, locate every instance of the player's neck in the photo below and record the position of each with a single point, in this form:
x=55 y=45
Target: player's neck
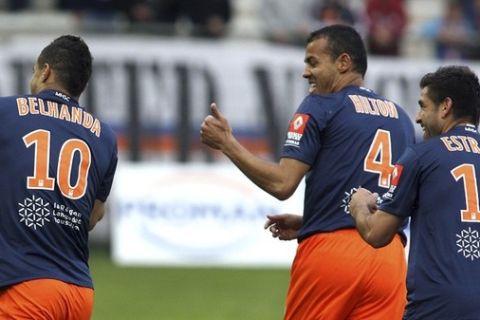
x=350 y=79
x=58 y=88
x=456 y=123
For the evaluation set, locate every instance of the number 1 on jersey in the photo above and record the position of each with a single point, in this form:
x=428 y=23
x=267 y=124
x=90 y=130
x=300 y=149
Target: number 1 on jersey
x=379 y=158
x=40 y=179
x=467 y=172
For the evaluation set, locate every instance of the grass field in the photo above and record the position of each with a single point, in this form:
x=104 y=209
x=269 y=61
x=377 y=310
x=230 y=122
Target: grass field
x=150 y=293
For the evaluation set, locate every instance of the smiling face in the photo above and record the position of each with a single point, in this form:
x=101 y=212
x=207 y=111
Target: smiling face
x=429 y=116
x=320 y=69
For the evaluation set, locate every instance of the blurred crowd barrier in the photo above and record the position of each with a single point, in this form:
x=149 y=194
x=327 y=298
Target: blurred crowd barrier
x=155 y=92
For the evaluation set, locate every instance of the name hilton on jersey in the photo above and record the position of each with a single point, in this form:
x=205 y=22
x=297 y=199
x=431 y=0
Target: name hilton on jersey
x=34 y=105
x=375 y=107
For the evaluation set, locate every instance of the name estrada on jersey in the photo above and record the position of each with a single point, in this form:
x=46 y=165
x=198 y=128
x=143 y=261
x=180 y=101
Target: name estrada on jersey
x=439 y=190
x=56 y=160
x=350 y=138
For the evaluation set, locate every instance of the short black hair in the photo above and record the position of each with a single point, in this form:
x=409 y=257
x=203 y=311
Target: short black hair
x=71 y=60
x=344 y=39
x=460 y=84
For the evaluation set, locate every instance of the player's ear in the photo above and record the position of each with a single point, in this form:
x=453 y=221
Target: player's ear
x=344 y=63
x=46 y=72
x=446 y=107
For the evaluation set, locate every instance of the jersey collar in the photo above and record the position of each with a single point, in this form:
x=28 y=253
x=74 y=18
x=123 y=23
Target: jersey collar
x=466 y=127
x=58 y=96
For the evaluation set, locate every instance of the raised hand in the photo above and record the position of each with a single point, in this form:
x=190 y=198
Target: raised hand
x=215 y=130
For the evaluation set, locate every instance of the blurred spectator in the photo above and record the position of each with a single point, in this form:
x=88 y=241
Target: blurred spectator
x=141 y=11
x=285 y=23
x=386 y=23
x=95 y=15
x=471 y=11
x=95 y=6
x=16 y=5
x=152 y=16
x=451 y=34
x=209 y=18
x=200 y=18
x=330 y=12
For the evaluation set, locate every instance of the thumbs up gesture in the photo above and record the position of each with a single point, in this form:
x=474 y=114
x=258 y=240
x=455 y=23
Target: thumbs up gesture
x=215 y=130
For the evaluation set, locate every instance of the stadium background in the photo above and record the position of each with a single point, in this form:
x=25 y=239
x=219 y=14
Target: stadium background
x=183 y=236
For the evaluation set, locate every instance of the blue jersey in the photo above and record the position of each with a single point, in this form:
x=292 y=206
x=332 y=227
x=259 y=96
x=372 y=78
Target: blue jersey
x=55 y=160
x=349 y=139
x=436 y=183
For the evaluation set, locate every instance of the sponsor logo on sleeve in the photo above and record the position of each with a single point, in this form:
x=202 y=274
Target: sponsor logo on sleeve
x=296 y=129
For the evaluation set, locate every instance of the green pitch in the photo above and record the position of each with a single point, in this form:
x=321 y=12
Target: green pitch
x=186 y=293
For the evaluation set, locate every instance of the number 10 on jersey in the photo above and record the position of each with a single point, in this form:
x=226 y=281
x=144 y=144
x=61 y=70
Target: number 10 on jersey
x=40 y=139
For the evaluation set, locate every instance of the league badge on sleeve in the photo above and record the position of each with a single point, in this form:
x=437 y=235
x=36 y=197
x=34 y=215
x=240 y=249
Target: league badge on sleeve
x=296 y=129
x=394 y=180
x=396 y=174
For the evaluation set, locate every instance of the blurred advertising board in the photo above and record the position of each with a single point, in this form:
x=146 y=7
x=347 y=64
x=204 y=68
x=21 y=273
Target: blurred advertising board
x=195 y=214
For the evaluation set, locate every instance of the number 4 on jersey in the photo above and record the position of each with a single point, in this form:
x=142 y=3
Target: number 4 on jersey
x=379 y=158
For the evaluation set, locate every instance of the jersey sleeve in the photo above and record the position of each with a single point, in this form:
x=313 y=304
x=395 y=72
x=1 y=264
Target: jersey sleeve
x=106 y=185
x=303 y=140
x=401 y=197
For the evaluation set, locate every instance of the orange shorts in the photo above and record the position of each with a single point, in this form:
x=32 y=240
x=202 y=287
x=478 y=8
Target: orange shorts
x=44 y=299
x=336 y=275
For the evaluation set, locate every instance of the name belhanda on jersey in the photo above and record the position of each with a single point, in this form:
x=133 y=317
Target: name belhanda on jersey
x=375 y=107
x=461 y=143
x=34 y=105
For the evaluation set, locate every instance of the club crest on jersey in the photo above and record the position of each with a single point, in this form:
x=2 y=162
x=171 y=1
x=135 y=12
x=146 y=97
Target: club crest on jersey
x=296 y=129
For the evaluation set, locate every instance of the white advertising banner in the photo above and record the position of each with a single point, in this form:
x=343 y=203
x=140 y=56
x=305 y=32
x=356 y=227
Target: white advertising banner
x=195 y=214
x=162 y=75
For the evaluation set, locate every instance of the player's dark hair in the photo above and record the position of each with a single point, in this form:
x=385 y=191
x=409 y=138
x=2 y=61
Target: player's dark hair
x=344 y=39
x=70 y=57
x=460 y=84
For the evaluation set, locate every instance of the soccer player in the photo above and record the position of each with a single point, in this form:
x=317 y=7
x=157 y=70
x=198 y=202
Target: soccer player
x=436 y=184
x=342 y=136
x=57 y=163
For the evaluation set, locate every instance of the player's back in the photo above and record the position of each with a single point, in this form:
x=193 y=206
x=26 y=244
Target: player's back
x=352 y=139
x=55 y=160
x=444 y=261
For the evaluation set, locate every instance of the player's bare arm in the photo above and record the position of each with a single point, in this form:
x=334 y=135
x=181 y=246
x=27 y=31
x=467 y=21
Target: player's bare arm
x=97 y=214
x=376 y=227
x=284 y=226
x=278 y=179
